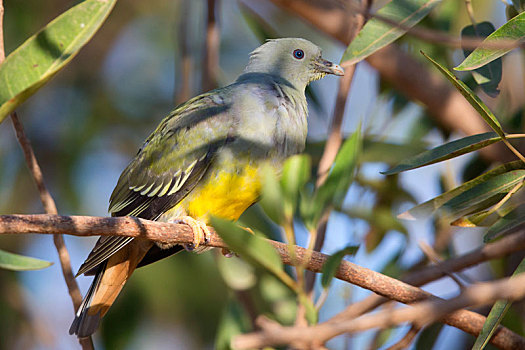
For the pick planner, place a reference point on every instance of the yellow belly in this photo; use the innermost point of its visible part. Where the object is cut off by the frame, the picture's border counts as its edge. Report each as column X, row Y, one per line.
column 221, row 193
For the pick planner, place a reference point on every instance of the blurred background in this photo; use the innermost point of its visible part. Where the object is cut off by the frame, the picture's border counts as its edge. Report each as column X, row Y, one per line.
column 87, row 124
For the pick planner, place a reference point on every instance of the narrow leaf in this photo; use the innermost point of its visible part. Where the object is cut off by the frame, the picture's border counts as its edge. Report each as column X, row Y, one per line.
column 513, row 30
column 446, row 151
column 474, row 100
column 253, row 249
column 17, row 262
column 427, row 208
column 333, row 262
column 44, row 54
column 272, row 197
column 508, row 222
column 488, row 76
column 377, row 34
column 495, row 316
column 296, row 172
column 484, row 191
column 310, row 311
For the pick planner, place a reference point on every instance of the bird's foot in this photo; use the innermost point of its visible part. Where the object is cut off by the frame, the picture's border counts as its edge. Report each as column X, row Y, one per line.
column 201, row 233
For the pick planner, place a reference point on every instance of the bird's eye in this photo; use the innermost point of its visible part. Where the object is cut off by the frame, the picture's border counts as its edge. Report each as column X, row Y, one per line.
column 298, row 53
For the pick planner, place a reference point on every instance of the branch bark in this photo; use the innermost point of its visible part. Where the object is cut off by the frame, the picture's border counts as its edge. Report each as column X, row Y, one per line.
column 391, row 288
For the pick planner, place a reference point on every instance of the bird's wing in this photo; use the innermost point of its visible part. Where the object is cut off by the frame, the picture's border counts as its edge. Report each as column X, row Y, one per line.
column 168, row 166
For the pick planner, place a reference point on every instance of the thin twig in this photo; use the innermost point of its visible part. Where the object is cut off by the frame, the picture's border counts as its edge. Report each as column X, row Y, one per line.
column 419, row 315
column 167, row 233
column 211, row 52
column 46, row 199
column 434, row 258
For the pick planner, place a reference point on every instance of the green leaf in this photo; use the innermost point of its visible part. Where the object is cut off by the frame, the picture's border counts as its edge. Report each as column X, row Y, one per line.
column 484, row 191
column 334, row 189
column 495, row 316
column 333, row 262
column 488, row 76
column 513, row 30
column 377, row 34
column 427, row 208
column 44, row 54
column 272, row 197
column 17, row 262
column 446, row 151
column 296, row 173
column 378, row 217
column 255, row 250
column 508, row 222
column 474, row 100
column 387, row 152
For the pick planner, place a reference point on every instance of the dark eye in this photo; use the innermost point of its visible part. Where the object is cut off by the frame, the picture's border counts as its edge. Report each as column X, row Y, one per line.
column 299, row 54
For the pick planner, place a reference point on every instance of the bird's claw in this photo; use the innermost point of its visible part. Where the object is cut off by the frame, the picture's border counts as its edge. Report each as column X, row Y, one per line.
column 201, row 233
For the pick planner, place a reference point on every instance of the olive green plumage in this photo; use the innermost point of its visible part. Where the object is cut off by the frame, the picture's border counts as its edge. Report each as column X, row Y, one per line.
column 204, row 158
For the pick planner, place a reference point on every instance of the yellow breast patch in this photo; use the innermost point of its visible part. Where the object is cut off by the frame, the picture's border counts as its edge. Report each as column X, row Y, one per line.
column 223, row 194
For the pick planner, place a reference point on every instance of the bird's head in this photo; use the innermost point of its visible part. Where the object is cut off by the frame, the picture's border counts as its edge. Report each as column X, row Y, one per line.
column 294, row 59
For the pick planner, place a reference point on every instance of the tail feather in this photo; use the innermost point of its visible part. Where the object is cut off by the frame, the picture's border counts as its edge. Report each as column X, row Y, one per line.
column 85, row 324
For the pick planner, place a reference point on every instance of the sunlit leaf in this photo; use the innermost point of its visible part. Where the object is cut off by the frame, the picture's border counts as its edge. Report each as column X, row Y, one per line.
column 513, row 30
column 495, row 316
column 488, row 76
column 253, row 249
column 508, row 222
column 377, row 34
column 236, row 273
column 18, row 262
column 427, row 208
column 44, row 54
column 471, row 97
column 484, row 191
column 333, row 262
column 446, row 151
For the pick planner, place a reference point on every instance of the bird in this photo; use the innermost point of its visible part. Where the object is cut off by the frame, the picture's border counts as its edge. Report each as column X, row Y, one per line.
column 205, row 159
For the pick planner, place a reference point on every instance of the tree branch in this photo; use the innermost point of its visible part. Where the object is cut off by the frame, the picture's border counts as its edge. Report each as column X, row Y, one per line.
column 419, row 315
column 391, row 288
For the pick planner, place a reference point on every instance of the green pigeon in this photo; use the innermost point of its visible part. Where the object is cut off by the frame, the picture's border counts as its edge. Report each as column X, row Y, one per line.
column 205, row 158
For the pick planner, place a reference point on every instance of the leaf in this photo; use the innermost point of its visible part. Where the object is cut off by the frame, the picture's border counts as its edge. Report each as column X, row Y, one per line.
column 379, row 217
column 253, row 249
column 272, row 197
column 377, row 34
column 296, row 173
column 484, row 191
column 334, row 189
column 513, row 30
column 508, row 222
column 488, row 76
column 425, row 209
column 495, row 316
column 446, row 151
column 333, row 262
column 44, row 54
column 474, row 100
column 17, row 262
column 387, row 152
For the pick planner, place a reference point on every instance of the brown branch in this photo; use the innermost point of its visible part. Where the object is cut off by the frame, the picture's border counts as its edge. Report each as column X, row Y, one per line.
column 419, row 315
column 211, row 52
column 410, row 77
column 467, row 321
column 405, row 342
column 505, row 246
column 46, row 199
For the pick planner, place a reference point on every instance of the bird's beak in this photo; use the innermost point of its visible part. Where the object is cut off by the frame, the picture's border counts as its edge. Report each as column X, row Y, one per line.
column 328, row 67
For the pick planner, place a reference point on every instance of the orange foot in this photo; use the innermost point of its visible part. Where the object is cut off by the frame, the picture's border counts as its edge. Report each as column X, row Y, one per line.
column 201, row 233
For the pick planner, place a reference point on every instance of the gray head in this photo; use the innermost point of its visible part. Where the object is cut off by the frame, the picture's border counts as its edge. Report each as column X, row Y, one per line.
column 297, row 60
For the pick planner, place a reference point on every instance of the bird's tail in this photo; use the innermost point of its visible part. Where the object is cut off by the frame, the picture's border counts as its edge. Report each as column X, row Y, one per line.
column 110, row 277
